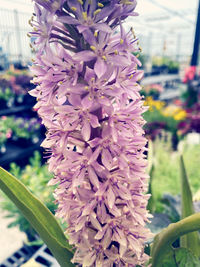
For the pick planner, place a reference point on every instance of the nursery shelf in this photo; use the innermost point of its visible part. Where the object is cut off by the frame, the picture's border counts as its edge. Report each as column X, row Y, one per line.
column 14, row 110
column 17, row 154
column 160, row 79
column 19, row 257
column 170, row 94
column 31, row 257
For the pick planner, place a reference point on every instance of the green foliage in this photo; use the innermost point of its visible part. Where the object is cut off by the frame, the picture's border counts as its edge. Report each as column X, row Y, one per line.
column 150, row 170
column 35, row 177
column 12, row 127
column 5, row 129
column 191, row 240
column 180, row 257
column 185, row 258
column 166, row 61
column 155, row 115
column 162, row 251
column 39, row 216
column 6, row 94
column 166, row 174
column 25, row 128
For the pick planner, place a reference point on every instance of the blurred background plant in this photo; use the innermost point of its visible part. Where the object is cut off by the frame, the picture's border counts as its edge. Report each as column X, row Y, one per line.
column 152, row 90
column 19, row 130
column 27, row 128
column 164, row 65
column 166, row 175
column 35, row 176
column 161, row 116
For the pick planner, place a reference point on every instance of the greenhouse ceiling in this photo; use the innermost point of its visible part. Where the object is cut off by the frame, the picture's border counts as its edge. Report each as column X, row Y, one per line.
column 169, row 16
column 160, row 24
column 166, row 16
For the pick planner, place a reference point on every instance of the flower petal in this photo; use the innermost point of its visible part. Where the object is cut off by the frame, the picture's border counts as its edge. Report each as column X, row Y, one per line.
column 110, row 197
column 106, row 158
column 89, row 259
column 100, row 67
column 93, row 177
column 86, row 130
column 68, row 20
column 87, row 102
column 95, row 222
column 84, row 56
column 94, row 120
column 102, row 27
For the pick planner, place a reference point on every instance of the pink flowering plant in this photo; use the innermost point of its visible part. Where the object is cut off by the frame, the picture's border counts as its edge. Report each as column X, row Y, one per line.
column 88, row 98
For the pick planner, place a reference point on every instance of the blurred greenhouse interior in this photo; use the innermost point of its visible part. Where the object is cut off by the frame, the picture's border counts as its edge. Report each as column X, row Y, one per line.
column 168, row 33
column 164, row 29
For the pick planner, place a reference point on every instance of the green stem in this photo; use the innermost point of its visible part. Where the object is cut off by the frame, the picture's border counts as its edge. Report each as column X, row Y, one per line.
column 191, row 240
column 165, row 238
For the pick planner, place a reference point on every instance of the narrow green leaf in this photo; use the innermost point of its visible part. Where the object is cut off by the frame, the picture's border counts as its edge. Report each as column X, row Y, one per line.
column 150, row 155
column 163, row 241
column 191, row 240
column 150, row 170
column 39, row 217
column 151, row 202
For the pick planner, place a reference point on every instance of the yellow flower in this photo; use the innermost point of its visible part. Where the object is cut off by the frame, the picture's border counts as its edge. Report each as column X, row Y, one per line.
column 176, row 112
column 153, row 104
column 181, row 115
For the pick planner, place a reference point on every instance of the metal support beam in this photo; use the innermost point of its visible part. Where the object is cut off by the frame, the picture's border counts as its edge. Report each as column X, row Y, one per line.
column 18, row 35
column 194, row 59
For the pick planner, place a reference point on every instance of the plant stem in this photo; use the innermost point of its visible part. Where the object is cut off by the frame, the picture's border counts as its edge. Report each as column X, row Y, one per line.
column 165, row 238
column 190, row 241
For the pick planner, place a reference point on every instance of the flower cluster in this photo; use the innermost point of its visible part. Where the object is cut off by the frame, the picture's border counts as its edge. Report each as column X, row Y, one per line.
column 88, row 99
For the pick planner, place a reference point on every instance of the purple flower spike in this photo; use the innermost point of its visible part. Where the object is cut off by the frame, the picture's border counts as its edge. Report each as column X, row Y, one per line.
column 88, row 99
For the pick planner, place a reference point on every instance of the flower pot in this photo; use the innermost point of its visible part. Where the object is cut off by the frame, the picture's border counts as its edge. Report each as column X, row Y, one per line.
column 20, row 256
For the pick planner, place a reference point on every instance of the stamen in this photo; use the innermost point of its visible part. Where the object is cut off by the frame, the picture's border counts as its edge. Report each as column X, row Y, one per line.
column 80, row 1
column 84, row 15
column 93, row 47
column 97, row 12
column 73, row 8
column 100, row 5
column 121, row 41
column 30, row 22
column 104, row 57
column 126, row 2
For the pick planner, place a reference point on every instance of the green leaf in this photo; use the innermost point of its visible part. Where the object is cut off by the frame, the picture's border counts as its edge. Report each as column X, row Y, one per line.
column 39, row 217
column 191, row 240
column 179, row 257
column 169, row 260
column 185, row 258
column 150, row 170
